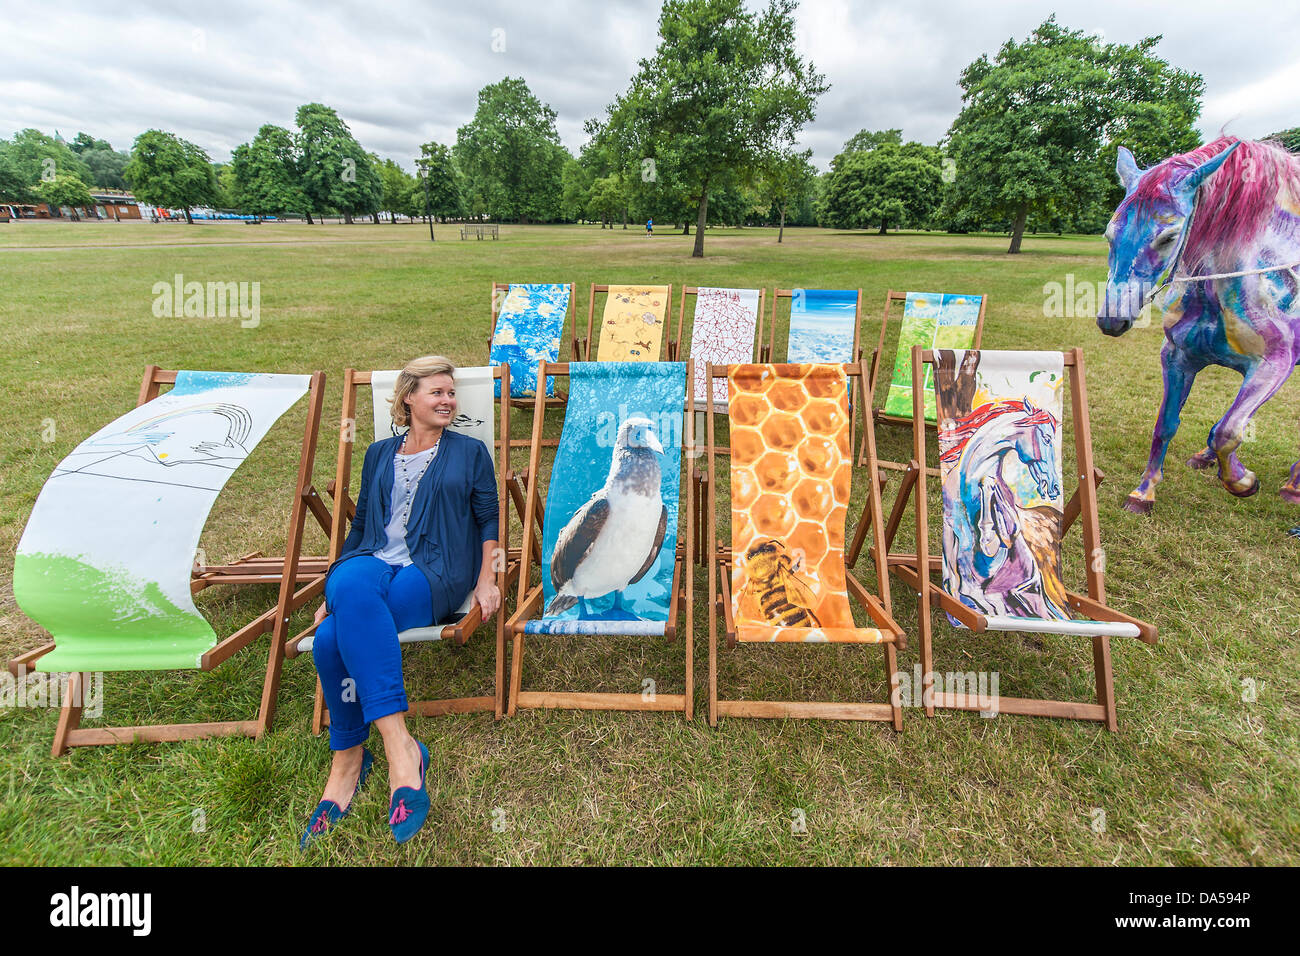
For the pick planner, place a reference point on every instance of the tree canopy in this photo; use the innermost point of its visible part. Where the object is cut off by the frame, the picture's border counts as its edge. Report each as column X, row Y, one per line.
column 336, row 173
column 889, row 184
column 166, row 170
column 266, row 174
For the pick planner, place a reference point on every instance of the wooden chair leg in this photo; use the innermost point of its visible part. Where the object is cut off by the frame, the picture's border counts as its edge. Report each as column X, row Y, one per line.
column 318, row 710
column 516, row 673
column 1105, row 680
column 70, row 715
column 891, row 665
column 499, row 680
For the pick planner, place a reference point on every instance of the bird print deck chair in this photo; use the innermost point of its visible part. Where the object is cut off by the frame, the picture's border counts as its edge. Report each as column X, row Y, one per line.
column 1004, row 515
column 612, row 563
column 481, row 417
column 634, row 323
column 107, row 561
column 528, row 322
column 783, row 578
column 932, row 320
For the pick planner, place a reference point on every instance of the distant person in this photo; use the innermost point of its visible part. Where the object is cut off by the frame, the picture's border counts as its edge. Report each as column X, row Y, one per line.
column 649, row 227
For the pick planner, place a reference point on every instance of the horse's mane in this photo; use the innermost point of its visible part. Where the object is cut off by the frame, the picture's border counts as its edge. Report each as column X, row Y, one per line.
column 956, row 438
column 1234, row 205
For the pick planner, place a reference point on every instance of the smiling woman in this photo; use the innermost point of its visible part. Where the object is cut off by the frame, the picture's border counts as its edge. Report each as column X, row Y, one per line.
column 423, row 537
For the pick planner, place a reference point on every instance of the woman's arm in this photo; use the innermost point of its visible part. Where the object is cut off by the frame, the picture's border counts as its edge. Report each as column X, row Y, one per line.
column 486, row 592
column 358, row 530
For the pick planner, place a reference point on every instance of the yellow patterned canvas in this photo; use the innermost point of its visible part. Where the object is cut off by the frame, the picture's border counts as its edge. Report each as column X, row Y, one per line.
column 632, row 327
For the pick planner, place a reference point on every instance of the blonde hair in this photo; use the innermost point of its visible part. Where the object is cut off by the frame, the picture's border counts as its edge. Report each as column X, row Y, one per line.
column 408, row 380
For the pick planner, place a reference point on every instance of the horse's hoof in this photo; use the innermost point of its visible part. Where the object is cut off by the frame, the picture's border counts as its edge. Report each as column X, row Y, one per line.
column 1250, row 489
column 1290, row 494
column 1201, row 460
column 1139, row 506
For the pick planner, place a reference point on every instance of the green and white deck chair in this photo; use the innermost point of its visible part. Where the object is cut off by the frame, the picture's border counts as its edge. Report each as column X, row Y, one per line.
column 480, row 416
column 107, row 561
column 611, row 562
column 932, row 320
column 1004, row 517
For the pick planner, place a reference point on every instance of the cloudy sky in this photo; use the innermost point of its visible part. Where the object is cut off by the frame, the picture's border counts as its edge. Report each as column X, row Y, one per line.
column 402, row 72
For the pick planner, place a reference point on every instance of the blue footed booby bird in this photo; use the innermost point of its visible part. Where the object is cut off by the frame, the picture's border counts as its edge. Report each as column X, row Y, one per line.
column 613, row 539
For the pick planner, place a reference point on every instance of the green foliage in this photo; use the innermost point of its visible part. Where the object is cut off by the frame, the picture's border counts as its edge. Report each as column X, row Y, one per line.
column 888, row 185
column 106, row 166
column 786, row 180
column 438, row 191
column 1290, row 138
column 866, row 140
column 14, row 186
column 64, row 190
column 166, row 170
column 398, row 189
column 1042, row 121
column 38, row 157
column 84, row 143
column 723, row 91
column 511, row 155
column 266, row 174
column 335, row 172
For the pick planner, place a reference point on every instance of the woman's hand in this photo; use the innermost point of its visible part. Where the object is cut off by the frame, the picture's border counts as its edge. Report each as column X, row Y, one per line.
column 321, row 613
column 488, row 596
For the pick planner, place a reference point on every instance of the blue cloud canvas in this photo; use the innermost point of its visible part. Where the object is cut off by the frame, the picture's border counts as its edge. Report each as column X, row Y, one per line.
column 528, row 330
column 822, row 325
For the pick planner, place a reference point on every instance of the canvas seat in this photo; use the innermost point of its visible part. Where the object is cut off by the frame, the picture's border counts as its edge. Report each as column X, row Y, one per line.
column 106, row 562
column 611, row 562
column 633, row 327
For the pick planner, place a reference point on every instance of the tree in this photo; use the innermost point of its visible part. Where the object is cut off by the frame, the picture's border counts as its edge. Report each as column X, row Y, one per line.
column 441, row 189
column 38, row 157
column 397, row 184
column 64, row 190
column 787, row 178
column 166, row 170
column 888, row 184
column 336, row 173
column 13, row 184
column 106, row 166
column 83, row 143
column 867, row 140
column 511, row 155
column 1289, row 138
column 266, row 174
column 724, row 88
column 575, row 187
column 1039, row 118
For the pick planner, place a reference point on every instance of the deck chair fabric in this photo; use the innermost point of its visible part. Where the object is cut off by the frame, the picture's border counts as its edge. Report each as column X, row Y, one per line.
column 1000, row 441
column 823, row 326
column 105, row 561
column 722, row 333
column 631, row 328
column 932, row 320
column 528, row 329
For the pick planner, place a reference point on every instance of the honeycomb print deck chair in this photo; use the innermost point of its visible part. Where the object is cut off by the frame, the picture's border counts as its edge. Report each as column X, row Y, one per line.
column 634, row 323
column 932, row 320
column 107, row 561
column 481, row 417
column 1004, row 515
column 611, row 562
column 783, row 577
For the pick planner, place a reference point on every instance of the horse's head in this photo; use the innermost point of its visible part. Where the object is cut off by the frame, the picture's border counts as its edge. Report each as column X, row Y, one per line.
column 1035, row 438
column 1147, row 233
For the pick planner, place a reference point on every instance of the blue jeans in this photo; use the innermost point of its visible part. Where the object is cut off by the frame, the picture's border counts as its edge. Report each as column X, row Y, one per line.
column 356, row 651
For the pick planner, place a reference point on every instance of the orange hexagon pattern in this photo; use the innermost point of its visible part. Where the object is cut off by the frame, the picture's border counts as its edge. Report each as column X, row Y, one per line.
column 791, row 472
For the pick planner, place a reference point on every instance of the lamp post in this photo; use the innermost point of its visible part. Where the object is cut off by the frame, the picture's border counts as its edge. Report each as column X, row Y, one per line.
column 424, row 173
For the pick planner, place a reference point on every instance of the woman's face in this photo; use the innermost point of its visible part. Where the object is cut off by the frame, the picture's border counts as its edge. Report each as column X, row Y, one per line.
column 433, row 401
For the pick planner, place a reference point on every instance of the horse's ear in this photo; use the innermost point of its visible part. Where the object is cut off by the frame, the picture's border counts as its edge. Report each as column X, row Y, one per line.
column 1126, row 168
column 1207, row 169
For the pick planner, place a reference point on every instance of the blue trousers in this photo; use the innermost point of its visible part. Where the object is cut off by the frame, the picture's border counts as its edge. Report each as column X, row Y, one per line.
column 356, row 651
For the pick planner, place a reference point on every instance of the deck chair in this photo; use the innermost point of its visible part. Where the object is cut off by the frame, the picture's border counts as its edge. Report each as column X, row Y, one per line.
column 782, row 578
column 527, row 325
column 932, row 320
column 634, row 323
column 106, row 562
column 1000, row 445
column 481, row 417
column 613, row 564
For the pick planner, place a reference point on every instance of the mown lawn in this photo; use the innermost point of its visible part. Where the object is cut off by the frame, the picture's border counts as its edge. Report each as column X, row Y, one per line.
column 1197, row 774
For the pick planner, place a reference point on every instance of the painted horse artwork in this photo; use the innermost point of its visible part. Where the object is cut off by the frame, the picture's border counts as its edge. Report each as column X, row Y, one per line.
column 1217, row 232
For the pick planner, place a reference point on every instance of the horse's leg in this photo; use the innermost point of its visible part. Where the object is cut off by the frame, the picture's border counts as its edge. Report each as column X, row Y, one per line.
column 1291, row 491
column 1178, row 373
column 1257, row 387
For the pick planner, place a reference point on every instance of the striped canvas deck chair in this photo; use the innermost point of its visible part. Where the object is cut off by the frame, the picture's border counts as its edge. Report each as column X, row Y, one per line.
column 932, row 320
column 107, row 561
column 634, row 323
column 481, row 417
column 528, row 322
column 783, row 578
column 1004, row 516
column 611, row 563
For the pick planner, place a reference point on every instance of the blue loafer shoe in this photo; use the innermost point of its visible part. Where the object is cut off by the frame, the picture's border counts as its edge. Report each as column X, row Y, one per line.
column 409, row 808
column 327, row 812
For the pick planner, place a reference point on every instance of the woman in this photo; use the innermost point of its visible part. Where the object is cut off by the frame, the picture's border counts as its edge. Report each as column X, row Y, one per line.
column 424, row 535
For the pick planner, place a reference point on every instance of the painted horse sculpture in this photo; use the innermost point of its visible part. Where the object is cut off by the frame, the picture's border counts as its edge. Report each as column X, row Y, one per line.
column 1219, row 229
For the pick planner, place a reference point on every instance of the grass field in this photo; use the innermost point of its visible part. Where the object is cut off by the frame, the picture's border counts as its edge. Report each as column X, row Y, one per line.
column 1197, row 774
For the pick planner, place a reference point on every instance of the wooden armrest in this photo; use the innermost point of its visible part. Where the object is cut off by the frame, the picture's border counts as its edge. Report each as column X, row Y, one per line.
column 1101, row 612
column 529, row 606
column 875, row 610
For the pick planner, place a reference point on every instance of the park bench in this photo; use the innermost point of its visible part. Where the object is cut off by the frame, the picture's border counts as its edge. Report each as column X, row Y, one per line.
column 479, row 230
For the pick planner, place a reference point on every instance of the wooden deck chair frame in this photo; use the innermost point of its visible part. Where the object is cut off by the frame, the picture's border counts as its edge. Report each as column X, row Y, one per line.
column 456, row 633
column 892, row 298
column 530, row 599
column 287, row 571
column 499, row 289
column 878, row 608
column 1082, row 506
column 582, row 347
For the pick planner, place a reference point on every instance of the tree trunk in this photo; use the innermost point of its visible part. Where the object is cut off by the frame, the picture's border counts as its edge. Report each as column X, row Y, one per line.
column 1018, row 230
column 309, row 221
column 882, row 231
column 188, row 218
column 698, row 251
column 625, row 217
column 686, row 228
column 780, row 234
column 347, row 216
column 375, row 215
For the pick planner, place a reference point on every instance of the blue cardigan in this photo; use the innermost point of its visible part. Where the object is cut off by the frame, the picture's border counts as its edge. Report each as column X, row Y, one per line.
column 453, row 513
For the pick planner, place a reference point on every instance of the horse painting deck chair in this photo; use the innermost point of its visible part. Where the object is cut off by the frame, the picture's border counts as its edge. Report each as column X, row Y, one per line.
column 106, row 564
column 1004, row 515
column 932, row 320
column 527, row 326
column 783, row 577
column 480, row 417
column 634, row 323
column 612, row 564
